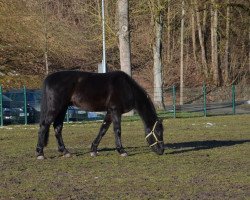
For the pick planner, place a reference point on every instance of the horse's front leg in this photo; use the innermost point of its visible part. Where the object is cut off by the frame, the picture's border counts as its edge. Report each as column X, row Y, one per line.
column 104, row 127
column 116, row 117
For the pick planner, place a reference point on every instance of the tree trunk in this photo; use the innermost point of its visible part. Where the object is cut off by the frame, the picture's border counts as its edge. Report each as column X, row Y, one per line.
column 249, row 50
column 214, row 44
column 182, row 55
column 201, row 40
column 124, row 39
column 212, row 39
column 46, row 38
column 227, row 66
column 168, row 36
column 204, row 20
column 124, row 36
column 98, row 8
column 157, row 49
column 194, row 38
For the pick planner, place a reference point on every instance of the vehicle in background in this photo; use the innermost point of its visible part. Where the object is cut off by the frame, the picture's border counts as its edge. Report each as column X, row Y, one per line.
column 96, row 115
column 9, row 115
column 33, row 98
column 32, row 115
column 75, row 114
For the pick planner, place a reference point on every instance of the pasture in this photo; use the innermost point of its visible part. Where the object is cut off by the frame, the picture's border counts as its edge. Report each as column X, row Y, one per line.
column 205, row 158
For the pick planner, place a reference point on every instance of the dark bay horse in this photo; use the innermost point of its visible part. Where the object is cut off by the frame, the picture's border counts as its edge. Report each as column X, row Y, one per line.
column 113, row 92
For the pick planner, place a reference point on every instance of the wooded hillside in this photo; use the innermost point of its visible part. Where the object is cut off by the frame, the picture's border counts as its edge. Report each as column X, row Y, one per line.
column 216, row 38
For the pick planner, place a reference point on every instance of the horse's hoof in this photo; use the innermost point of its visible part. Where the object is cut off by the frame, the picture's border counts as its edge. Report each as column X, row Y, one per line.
column 124, row 154
column 67, row 155
column 93, row 154
column 40, row 158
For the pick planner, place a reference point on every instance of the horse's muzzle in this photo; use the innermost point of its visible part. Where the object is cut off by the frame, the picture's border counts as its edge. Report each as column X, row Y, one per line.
column 158, row 148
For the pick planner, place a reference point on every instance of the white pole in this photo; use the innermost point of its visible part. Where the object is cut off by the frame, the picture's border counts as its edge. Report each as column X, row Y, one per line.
column 103, row 40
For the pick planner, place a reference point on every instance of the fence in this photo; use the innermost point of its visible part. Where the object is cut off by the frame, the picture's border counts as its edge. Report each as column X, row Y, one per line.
column 208, row 101
column 22, row 106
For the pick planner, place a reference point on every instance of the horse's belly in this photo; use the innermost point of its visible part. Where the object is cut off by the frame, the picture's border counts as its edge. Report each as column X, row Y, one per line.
column 89, row 104
column 90, row 107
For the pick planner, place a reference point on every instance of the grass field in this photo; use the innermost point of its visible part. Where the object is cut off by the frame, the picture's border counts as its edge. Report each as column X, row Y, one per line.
column 205, row 158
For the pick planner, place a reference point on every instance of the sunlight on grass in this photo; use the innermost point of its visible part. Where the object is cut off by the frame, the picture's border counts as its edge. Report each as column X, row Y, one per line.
column 205, row 158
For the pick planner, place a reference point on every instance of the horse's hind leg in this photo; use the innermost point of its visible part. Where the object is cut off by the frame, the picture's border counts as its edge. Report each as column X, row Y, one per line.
column 43, row 135
column 104, row 127
column 58, row 126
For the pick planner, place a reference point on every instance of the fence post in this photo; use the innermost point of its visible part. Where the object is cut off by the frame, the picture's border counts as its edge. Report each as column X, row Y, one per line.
column 233, row 98
column 1, row 106
column 25, row 105
column 204, row 89
column 174, row 100
column 68, row 115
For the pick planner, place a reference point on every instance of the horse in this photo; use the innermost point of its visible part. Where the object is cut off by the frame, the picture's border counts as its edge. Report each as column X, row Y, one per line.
column 113, row 92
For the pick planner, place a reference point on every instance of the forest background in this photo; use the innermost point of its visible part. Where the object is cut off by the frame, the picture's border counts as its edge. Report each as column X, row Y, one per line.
column 209, row 38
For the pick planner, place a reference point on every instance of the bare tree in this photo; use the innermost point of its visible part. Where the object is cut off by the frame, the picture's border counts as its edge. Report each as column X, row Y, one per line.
column 168, row 34
column 227, row 53
column 214, row 43
column 157, row 8
column 124, row 36
column 201, row 40
column 248, row 68
column 194, row 36
column 46, row 37
column 182, row 54
column 71, row 36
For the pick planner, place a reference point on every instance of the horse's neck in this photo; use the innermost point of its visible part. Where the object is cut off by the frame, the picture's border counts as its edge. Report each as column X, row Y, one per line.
column 147, row 112
column 144, row 105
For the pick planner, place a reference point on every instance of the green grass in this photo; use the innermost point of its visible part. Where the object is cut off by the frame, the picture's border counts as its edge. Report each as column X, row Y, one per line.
column 205, row 158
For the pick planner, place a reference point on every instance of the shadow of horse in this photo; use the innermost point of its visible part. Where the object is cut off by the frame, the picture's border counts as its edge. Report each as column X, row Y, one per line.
column 183, row 147
column 132, row 150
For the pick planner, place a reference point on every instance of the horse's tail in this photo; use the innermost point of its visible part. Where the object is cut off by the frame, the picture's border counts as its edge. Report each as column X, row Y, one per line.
column 43, row 114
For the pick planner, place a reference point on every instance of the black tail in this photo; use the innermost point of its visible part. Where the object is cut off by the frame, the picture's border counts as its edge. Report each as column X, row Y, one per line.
column 43, row 114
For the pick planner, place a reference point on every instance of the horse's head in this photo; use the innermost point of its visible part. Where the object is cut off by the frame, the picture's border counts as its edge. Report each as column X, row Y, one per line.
column 155, row 138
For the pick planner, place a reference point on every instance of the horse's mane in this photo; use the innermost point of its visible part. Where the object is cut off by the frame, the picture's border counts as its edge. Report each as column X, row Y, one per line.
column 143, row 102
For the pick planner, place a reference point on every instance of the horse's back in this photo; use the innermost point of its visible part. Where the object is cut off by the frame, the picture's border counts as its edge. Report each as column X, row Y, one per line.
column 60, row 77
column 78, row 76
column 100, row 92
column 91, row 91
